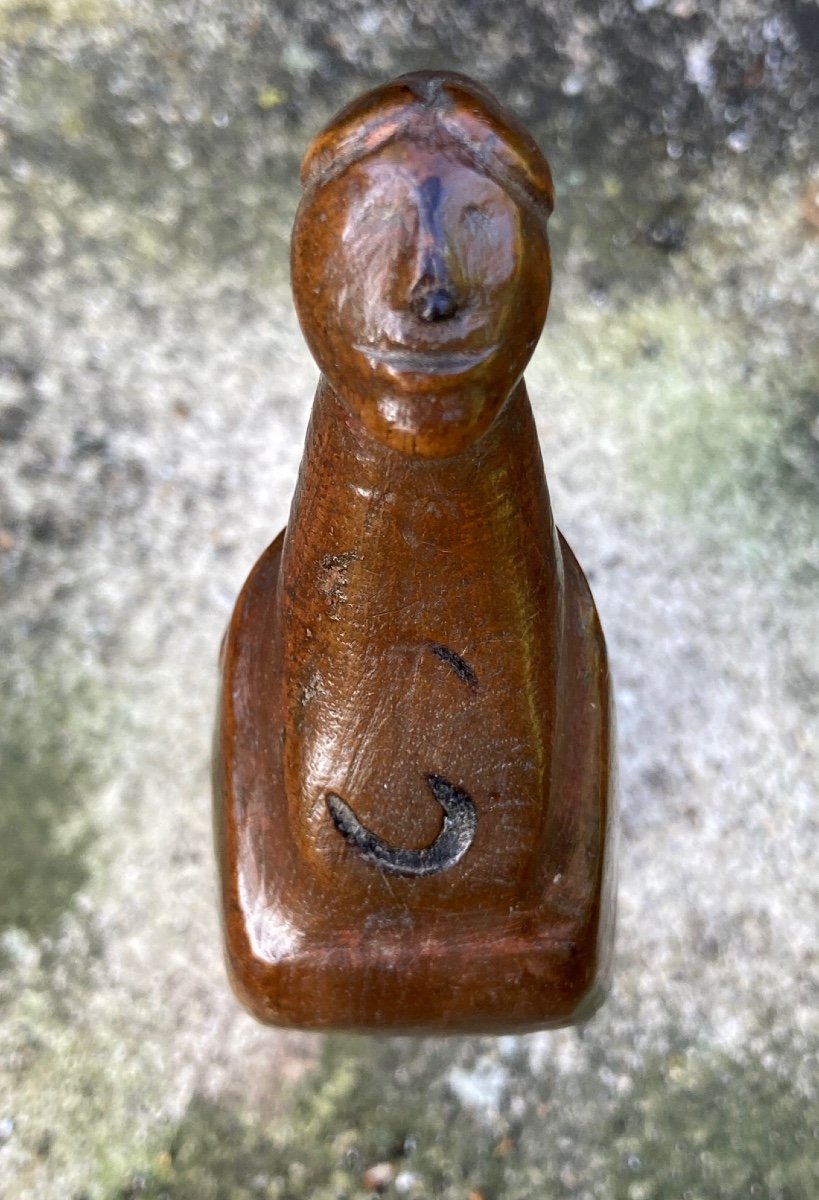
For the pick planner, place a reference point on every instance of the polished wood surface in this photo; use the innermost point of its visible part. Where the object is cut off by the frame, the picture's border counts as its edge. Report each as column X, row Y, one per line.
column 414, row 757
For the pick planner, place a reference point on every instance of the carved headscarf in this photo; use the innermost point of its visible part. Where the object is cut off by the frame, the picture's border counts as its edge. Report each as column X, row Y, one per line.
column 436, row 105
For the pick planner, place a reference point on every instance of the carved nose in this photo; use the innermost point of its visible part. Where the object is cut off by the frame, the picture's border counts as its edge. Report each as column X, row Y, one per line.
column 433, row 297
column 433, row 303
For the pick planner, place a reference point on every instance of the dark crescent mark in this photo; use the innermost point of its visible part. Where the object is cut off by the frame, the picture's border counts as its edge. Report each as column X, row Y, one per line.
column 451, row 844
column 462, row 669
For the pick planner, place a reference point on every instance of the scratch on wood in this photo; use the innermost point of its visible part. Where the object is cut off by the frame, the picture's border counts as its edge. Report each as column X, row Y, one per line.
column 461, row 668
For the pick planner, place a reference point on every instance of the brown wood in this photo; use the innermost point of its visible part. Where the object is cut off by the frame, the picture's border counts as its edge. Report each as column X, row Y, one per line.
column 414, row 759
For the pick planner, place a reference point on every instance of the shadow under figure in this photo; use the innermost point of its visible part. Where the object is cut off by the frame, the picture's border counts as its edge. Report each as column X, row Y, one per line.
column 414, row 758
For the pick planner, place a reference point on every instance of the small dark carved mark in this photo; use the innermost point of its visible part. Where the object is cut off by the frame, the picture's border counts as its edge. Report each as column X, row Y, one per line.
column 462, row 669
column 449, row 847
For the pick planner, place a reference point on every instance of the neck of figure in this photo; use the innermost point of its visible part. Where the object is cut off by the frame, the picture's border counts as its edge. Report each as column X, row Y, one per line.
column 356, row 497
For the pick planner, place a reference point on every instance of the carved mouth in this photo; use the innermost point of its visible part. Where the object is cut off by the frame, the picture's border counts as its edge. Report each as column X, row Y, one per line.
column 426, row 362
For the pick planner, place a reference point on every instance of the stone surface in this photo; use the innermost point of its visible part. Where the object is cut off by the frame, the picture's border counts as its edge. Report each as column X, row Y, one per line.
column 153, row 395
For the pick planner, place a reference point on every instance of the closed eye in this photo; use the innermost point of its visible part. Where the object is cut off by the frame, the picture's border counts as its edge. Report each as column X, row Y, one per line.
column 473, row 215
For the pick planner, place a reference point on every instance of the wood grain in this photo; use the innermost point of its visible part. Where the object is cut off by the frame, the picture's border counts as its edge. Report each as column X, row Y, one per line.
column 414, row 753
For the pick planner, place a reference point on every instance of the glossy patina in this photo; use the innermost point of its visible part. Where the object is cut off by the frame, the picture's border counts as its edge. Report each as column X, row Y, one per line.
column 414, row 757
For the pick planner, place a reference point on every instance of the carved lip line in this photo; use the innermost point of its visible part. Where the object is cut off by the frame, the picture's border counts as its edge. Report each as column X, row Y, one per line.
column 427, row 362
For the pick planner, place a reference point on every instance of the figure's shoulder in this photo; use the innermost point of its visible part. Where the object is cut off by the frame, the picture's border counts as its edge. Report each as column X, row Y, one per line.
column 582, row 622
column 253, row 611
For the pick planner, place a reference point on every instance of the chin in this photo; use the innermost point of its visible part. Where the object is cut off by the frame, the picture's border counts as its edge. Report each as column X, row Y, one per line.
column 438, row 424
column 427, row 414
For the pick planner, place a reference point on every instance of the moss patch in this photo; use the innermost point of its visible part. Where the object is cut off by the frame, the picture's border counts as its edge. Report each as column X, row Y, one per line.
column 369, row 1101
column 717, row 1127
column 685, row 1124
column 47, row 773
column 20, row 22
column 698, row 415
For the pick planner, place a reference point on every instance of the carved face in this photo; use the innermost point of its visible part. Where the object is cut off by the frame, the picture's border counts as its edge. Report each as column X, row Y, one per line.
column 422, row 288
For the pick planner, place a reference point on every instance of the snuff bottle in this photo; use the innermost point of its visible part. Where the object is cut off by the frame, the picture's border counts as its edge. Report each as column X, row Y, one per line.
column 414, row 755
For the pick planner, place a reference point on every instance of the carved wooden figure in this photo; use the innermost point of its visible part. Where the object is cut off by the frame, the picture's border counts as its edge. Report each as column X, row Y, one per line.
column 414, row 755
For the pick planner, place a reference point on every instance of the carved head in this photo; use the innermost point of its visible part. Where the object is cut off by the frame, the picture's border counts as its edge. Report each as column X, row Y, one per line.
column 420, row 260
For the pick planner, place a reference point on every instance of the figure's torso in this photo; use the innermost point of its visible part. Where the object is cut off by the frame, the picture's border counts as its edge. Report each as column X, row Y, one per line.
column 421, row 633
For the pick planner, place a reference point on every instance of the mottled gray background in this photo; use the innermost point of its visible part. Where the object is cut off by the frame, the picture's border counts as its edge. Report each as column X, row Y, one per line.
column 154, row 391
